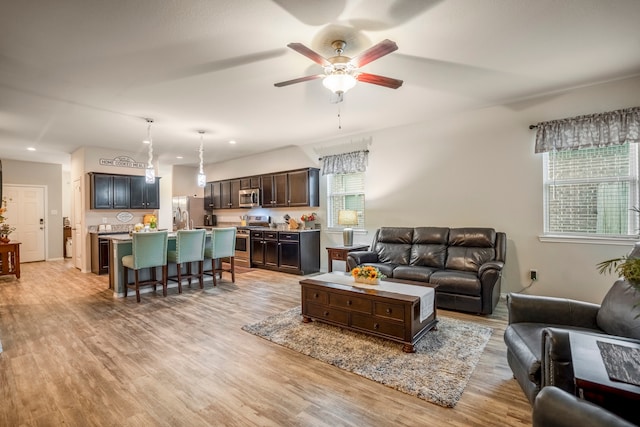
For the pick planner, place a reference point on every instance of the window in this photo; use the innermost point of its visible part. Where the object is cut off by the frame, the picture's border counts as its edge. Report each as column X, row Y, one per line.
column 591, row 191
column 345, row 191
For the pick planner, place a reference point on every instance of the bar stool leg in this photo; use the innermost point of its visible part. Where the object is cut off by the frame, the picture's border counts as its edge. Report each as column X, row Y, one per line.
column 165, row 274
column 135, row 273
column 232, row 261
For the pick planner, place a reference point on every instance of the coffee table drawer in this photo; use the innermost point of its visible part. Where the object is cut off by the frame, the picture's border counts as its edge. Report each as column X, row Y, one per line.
column 378, row 326
column 392, row 311
column 312, row 295
column 328, row 314
column 352, row 303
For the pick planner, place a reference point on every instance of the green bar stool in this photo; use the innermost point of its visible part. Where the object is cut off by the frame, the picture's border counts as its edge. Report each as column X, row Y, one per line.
column 149, row 250
column 222, row 245
column 189, row 248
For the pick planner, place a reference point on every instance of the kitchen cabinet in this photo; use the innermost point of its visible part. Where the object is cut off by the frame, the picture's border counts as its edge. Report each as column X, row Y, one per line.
column 109, row 191
column 212, row 198
column 143, row 195
column 274, row 190
column 264, row 249
column 99, row 254
column 101, row 191
column 286, row 251
column 296, row 188
column 249, row 182
column 303, row 187
column 222, row 194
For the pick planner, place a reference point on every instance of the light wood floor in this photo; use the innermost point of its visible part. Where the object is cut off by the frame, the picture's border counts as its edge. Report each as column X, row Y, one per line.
column 75, row 356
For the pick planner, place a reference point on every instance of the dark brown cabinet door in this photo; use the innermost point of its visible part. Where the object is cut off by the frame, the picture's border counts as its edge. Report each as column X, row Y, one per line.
column 120, row 192
column 143, row 195
column 234, row 198
column 289, row 255
column 101, row 191
column 208, row 196
column 249, row 182
column 267, row 195
column 280, row 190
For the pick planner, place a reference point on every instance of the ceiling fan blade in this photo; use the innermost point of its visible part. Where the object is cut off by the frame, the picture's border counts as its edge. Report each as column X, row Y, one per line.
column 379, row 80
column 314, row 56
column 374, row 52
column 298, row 80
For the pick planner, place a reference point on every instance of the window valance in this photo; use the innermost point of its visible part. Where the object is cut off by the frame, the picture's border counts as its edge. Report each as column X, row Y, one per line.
column 355, row 161
column 594, row 130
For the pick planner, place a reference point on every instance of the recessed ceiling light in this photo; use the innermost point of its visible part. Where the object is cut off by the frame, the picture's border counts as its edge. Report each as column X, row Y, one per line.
column 145, row 142
column 179, row 157
column 232, row 142
column 31, row 149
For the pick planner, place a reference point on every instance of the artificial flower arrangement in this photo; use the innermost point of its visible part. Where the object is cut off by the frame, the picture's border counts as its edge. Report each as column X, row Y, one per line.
column 308, row 217
column 367, row 274
column 5, row 229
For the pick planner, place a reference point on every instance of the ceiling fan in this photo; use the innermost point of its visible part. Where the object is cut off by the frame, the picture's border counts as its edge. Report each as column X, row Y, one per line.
column 341, row 72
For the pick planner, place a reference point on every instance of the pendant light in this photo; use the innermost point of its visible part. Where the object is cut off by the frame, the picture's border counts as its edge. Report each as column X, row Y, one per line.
column 150, row 173
column 202, row 178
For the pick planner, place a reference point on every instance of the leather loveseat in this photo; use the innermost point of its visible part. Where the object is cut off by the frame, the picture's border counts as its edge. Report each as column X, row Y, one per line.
column 465, row 263
column 537, row 337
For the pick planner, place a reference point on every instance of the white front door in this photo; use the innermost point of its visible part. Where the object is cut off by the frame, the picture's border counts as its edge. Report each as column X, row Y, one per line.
column 77, row 223
column 25, row 212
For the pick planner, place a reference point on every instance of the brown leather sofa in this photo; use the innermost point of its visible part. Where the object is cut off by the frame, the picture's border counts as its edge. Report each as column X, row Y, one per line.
column 465, row 263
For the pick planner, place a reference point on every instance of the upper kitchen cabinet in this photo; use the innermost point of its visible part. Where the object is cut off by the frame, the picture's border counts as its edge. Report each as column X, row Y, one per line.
column 143, row 195
column 274, row 190
column 230, row 194
column 304, row 187
column 212, row 199
column 293, row 188
column 109, row 191
column 249, row 182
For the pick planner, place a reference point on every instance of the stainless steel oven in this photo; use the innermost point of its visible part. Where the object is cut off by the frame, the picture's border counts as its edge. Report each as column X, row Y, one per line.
column 243, row 248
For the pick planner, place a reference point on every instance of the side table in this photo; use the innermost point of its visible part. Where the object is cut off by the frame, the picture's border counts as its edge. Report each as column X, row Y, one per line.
column 339, row 253
column 10, row 258
column 592, row 381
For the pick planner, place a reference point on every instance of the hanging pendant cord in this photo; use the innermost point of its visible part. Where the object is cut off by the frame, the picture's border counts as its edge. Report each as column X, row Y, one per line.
column 150, row 162
column 201, row 151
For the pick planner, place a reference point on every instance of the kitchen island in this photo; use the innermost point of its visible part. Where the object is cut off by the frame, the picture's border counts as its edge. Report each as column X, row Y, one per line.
column 119, row 246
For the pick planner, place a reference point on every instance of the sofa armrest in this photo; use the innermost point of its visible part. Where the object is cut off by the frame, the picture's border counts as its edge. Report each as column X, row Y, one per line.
column 491, row 265
column 556, row 408
column 356, row 258
column 551, row 311
column 557, row 367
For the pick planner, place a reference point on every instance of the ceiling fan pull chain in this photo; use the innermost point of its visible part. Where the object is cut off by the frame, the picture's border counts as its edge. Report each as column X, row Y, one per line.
column 339, row 119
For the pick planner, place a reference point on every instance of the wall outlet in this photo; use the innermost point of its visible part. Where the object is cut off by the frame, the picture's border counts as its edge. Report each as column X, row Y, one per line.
column 533, row 274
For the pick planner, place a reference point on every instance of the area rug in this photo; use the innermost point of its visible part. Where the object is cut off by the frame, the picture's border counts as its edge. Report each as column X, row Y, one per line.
column 437, row 372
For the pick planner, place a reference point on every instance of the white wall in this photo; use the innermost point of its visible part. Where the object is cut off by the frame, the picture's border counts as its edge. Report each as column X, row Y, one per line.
column 473, row 169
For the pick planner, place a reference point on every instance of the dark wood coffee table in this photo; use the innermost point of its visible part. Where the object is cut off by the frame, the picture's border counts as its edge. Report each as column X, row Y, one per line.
column 330, row 299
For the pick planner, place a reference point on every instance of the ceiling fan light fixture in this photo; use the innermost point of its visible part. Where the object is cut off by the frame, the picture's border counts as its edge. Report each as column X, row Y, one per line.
column 339, row 82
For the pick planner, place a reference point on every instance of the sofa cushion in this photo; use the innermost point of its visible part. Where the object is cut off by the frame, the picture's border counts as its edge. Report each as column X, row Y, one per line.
column 472, row 237
column 617, row 315
column 429, row 246
column 394, row 245
column 411, row 272
column 457, row 282
column 468, row 258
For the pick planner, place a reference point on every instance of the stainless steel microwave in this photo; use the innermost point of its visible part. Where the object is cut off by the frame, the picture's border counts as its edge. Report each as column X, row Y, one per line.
column 250, row 198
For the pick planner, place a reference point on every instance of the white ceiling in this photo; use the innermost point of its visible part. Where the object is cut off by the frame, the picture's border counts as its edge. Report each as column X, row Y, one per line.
column 87, row 72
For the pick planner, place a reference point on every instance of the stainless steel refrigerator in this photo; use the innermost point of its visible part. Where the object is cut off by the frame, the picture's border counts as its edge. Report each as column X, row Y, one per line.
column 188, row 212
